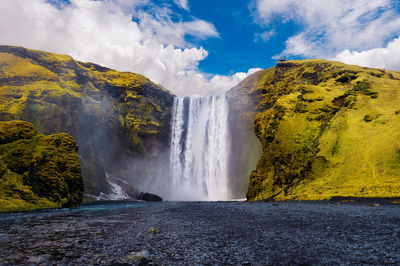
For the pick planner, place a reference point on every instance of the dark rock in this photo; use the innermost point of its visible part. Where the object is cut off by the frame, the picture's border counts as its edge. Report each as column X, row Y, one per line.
column 149, row 197
column 128, row 189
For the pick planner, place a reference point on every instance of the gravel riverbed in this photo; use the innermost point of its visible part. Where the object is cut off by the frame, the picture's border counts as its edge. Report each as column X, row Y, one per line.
column 209, row 233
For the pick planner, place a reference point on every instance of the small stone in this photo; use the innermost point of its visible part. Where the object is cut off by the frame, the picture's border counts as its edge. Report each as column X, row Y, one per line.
column 142, row 255
column 37, row 259
column 154, row 230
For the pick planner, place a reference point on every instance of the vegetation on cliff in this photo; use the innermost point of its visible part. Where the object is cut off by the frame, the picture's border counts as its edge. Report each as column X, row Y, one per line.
column 327, row 129
column 110, row 114
column 37, row 171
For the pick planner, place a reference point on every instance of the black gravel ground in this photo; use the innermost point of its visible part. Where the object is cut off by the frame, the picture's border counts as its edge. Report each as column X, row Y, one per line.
column 188, row 233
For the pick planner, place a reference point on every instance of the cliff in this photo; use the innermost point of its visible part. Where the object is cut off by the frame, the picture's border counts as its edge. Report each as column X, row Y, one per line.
column 117, row 118
column 37, row 171
column 327, row 130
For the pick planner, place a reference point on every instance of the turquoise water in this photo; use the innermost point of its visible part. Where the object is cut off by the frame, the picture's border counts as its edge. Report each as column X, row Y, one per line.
column 82, row 209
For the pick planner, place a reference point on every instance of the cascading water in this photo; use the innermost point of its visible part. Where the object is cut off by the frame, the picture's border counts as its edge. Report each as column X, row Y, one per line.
column 199, row 154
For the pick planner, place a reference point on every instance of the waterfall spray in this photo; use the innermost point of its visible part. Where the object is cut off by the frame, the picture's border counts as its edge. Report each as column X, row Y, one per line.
column 199, row 154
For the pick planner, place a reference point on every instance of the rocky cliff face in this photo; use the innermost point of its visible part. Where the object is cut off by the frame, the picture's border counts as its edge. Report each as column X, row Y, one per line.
column 37, row 171
column 117, row 118
column 245, row 147
column 327, row 129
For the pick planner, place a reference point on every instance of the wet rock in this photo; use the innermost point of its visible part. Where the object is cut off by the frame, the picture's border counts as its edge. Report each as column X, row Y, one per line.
column 149, row 197
column 128, row 189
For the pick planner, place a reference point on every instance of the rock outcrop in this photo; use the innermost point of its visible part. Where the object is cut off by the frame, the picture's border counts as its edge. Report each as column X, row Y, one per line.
column 37, row 171
column 327, row 130
column 118, row 119
column 149, row 197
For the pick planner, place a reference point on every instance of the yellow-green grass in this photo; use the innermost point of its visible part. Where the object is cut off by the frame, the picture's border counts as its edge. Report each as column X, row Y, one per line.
column 59, row 94
column 316, row 138
column 39, row 87
column 37, row 171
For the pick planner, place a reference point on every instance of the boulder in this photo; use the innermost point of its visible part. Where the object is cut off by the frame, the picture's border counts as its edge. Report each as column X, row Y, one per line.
column 149, row 197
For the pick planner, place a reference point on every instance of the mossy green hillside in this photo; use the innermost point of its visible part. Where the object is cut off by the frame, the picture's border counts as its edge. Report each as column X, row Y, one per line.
column 35, row 83
column 37, row 171
column 327, row 129
column 103, row 109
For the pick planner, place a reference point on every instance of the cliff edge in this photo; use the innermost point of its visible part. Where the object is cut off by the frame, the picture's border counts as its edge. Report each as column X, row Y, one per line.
column 118, row 119
column 327, row 130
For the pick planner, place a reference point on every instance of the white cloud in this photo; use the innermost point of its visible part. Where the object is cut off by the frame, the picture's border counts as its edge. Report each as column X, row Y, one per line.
column 210, row 85
column 219, row 81
column 182, row 4
column 328, row 27
column 387, row 57
column 200, row 28
column 103, row 32
column 264, row 36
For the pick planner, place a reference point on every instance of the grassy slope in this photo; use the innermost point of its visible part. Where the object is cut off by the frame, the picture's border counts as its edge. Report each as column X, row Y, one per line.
column 327, row 129
column 99, row 107
column 37, row 171
column 31, row 79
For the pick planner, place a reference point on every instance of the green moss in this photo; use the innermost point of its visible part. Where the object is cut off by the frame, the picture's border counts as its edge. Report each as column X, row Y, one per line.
column 12, row 131
column 300, row 107
column 368, row 118
column 59, row 94
column 320, row 146
column 363, row 87
column 350, row 101
column 347, row 77
column 38, row 171
column 376, row 74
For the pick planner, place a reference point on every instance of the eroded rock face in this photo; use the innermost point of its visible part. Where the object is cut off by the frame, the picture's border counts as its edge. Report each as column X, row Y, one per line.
column 37, row 171
column 327, row 129
column 245, row 147
column 118, row 119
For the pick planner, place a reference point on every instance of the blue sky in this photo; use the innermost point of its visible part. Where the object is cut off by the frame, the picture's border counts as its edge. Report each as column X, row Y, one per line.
column 200, row 47
column 238, row 47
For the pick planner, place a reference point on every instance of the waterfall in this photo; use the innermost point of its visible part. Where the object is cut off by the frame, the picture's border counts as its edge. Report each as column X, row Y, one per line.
column 199, row 148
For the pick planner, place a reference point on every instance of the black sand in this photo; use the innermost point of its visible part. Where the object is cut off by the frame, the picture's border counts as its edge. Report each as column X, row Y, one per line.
column 205, row 233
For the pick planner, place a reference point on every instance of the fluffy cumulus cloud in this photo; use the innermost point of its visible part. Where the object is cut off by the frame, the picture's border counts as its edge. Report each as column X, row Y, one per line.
column 347, row 30
column 120, row 34
column 386, row 57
